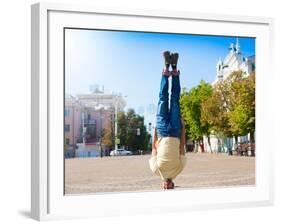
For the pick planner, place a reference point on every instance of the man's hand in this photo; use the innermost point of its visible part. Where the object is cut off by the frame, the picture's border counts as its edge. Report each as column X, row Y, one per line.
column 154, row 145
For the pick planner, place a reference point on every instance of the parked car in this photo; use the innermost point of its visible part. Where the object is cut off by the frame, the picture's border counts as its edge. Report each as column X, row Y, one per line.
column 120, row 152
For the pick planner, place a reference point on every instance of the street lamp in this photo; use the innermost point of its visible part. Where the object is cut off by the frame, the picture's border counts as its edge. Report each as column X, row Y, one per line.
column 101, row 132
column 115, row 123
column 84, row 129
column 150, row 131
column 149, row 126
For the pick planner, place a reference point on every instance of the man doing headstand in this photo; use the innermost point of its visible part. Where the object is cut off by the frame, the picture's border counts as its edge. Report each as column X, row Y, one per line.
column 168, row 153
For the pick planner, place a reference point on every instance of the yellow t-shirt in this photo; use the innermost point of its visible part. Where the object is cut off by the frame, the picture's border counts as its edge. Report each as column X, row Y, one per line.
column 168, row 163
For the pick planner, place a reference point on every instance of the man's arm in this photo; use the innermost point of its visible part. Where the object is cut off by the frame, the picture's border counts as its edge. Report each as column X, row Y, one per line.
column 154, row 146
column 182, row 141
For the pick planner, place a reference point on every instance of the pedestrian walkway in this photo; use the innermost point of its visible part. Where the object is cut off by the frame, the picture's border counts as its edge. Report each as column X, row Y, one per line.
column 132, row 173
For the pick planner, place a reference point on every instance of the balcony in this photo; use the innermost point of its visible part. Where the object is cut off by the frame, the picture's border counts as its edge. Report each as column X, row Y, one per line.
column 90, row 121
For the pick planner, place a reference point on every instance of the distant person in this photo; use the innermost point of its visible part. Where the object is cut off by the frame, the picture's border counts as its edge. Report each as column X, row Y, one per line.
column 168, row 153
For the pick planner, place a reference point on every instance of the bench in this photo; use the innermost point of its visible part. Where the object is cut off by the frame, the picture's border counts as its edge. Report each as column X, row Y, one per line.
column 244, row 149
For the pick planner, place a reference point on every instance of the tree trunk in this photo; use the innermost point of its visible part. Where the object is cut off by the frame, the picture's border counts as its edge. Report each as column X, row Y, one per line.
column 236, row 139
column 201, row 145
column 195, row 146
column 252, row 137
column 209, row 143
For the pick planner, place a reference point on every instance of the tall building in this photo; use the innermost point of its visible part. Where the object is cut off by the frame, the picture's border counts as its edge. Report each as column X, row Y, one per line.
column 86, row 116
column 99, row 109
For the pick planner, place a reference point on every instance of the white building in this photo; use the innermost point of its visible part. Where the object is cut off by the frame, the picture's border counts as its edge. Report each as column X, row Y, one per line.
column 234, row 61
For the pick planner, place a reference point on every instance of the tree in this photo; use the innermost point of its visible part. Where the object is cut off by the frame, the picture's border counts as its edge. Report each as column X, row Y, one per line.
column 242, row 98
column 230, row 110
column 190, row 103
column 108, row 132
column 215, row 110
column 131, row 131
column 122, row 127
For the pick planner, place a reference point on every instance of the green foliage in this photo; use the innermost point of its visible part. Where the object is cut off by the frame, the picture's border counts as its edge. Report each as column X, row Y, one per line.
column 242, row 113
column 227, row 108
column 108, row 132
column 190, row 103
column 128, row 123
column 239, row 120
column 215, row 110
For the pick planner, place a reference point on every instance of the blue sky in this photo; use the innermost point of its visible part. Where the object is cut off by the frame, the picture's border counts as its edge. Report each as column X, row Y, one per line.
column 131, row 63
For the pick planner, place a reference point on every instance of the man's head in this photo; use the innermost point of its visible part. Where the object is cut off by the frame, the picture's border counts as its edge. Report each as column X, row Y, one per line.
column 168, row 184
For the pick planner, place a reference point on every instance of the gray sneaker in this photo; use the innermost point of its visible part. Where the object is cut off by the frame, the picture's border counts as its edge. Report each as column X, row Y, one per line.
column 174, row 60
column 167, row 59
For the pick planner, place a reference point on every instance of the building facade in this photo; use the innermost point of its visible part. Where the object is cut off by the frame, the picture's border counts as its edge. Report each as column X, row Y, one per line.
column 87, row 118
column 234, row 61
column 72, row 120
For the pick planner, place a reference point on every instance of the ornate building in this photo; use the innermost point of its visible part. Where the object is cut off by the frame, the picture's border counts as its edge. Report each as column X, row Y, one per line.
column 234, row 61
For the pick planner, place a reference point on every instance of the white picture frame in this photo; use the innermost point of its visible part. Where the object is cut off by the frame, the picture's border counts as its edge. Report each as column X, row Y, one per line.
column 47, row 197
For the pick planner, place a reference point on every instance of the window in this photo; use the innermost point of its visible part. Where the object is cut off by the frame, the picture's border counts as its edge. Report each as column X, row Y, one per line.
column 253, row 67
column 66, row 128
column 66, row 112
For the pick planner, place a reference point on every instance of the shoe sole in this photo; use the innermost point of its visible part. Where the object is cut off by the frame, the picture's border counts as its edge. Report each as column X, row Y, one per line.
column 174, row 58
column 167, row 57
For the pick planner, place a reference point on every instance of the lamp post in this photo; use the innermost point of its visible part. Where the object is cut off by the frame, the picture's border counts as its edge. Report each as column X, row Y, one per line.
column 150, row 131
column 83, row 129
column 115, row 124
column 101, row 117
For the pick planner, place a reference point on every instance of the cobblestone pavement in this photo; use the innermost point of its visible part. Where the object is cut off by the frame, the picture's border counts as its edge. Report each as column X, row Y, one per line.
column 132, row 173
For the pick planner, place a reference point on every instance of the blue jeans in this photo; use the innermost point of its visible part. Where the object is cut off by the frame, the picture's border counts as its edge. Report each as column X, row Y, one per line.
column 168, row 122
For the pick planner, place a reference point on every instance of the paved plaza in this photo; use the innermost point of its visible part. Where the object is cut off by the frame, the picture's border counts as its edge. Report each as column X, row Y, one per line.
column 132, row 173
